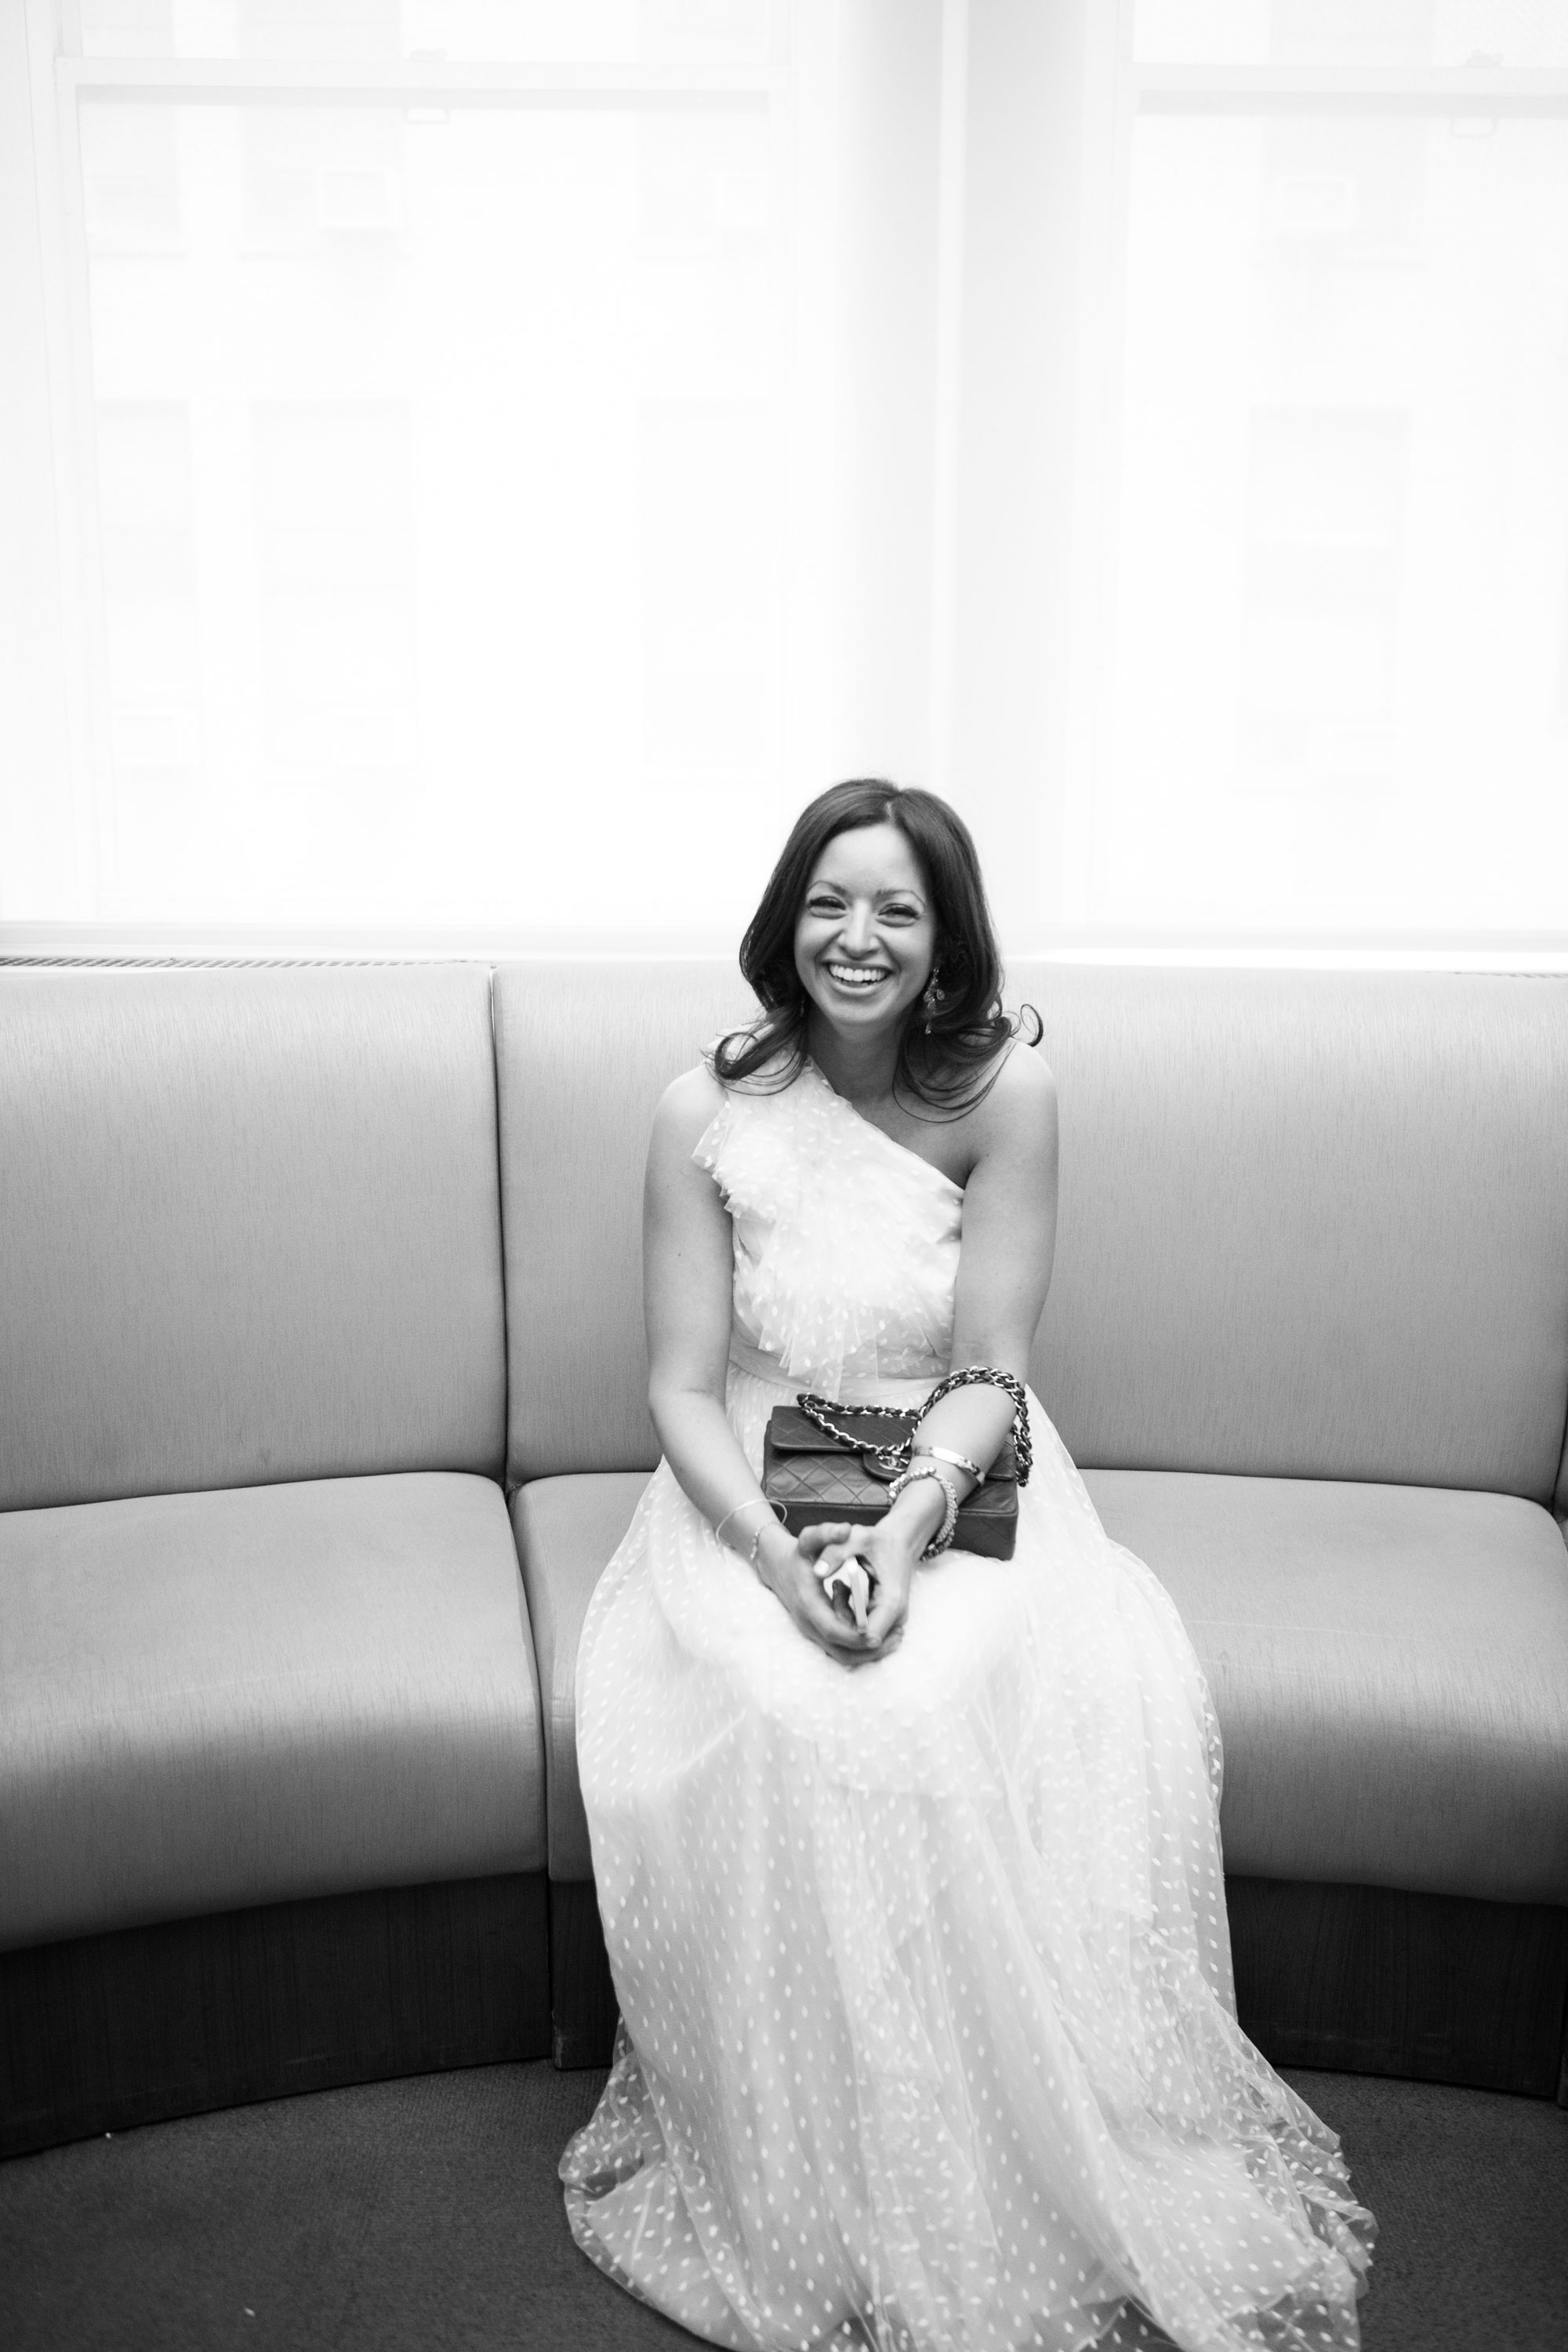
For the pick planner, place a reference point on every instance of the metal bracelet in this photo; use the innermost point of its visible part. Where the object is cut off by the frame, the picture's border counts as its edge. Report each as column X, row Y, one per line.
column 757, row 1503
column 959, row 1461
column 943, row 1535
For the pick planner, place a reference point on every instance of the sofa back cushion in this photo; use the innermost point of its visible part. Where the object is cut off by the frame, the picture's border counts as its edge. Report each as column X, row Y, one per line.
column 584, row 1051
column 1310, row 1224
column 249, row 1228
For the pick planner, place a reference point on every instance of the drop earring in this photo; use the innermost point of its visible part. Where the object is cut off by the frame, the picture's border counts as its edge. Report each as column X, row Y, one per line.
column 932, row 997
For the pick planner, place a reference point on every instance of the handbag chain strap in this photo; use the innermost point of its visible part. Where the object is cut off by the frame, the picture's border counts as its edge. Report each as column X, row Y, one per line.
column 887, row 1458
column 890, row 1458
column 988, row 1376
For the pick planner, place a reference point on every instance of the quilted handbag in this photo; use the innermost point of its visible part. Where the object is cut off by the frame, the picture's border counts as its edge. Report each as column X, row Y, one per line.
column 810, row 1474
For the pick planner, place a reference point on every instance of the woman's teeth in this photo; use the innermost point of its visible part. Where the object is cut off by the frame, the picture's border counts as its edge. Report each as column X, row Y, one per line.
column 856, row 975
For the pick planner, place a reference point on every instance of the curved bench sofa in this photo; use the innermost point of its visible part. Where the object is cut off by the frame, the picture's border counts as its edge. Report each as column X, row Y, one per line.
column 320, row 1321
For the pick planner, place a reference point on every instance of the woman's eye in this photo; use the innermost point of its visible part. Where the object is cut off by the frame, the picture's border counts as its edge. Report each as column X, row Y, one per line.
column 822, row 905
column 900, row 914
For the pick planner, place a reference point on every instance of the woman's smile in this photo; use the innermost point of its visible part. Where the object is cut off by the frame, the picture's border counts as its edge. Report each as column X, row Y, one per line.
column 866, row 937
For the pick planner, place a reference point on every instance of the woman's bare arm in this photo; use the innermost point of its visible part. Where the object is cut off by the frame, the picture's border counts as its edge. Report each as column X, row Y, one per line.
column 1005, row 1265
column 688, row 1277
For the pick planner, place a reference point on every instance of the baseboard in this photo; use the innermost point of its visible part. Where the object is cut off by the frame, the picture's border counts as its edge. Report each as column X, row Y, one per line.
column 1374, row 1981
column 584, row 2010
column 110, row 2032
column 1362, row 1979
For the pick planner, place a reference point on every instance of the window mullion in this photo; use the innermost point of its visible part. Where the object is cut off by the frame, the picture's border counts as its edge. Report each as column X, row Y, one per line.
column 1110, row 105
column 69, row 359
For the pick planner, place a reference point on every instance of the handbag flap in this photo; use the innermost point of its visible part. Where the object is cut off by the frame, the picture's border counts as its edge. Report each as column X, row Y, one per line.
column 791, row 1432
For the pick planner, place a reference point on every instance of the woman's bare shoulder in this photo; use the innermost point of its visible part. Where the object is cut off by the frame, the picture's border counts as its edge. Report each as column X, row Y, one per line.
column 1025, row 1075
column 686, row 1107
column 1018, row 1111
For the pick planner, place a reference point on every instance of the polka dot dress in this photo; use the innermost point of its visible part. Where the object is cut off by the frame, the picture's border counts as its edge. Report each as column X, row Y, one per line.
column 928, row 2041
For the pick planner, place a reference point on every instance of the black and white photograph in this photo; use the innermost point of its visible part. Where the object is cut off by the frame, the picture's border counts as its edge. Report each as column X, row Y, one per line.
column 784, row 1175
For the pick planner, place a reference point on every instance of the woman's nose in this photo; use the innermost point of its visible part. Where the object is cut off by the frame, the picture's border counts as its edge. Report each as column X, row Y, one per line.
column 859, row 927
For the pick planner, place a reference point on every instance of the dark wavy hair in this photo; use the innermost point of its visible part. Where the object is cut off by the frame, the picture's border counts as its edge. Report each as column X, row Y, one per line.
column 947, row 1067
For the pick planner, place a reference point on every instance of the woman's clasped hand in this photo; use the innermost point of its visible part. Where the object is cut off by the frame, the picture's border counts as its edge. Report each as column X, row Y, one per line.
column 818, row 1585
column 847, row 1587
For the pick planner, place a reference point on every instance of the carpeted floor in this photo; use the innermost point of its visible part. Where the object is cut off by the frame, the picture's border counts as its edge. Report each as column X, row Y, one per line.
column 422, row 2215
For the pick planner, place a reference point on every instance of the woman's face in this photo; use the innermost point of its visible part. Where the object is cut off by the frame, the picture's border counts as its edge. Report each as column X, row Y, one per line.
column 866, row 935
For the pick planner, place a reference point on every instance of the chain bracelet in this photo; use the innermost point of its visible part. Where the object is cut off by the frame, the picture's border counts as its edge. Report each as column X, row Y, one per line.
column 943, row 1535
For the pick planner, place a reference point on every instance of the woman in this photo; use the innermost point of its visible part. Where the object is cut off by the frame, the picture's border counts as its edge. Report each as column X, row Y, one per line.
column 917, row 1924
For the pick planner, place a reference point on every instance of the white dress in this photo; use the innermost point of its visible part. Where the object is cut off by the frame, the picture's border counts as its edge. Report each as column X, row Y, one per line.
column 928, row 2034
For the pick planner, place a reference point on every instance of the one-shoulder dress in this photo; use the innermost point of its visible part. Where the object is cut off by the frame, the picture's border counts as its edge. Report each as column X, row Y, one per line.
column 928, row 2034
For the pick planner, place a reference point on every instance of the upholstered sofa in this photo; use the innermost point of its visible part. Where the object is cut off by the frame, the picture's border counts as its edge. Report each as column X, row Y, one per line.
column 319, row 1319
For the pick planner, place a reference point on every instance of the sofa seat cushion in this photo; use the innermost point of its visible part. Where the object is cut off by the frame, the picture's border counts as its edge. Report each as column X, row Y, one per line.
column 1389, row 1665
column 1390, row 1669
column 567, row 1531
column 214, row 1700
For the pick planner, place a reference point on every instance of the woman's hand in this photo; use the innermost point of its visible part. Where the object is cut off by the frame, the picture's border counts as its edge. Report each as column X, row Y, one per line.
column 890, row 1550
column 792, row 1574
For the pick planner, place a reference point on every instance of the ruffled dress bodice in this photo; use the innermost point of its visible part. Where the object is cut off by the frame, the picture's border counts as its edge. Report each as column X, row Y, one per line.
column 846, row 1244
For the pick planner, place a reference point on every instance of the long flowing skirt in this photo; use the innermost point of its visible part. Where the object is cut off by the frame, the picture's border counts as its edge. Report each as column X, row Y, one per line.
column 927, row 2037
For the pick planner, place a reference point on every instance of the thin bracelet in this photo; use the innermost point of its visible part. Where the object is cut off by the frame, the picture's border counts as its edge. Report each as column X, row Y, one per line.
column 757, row 1503
column 943, row 1535
column 959, row 1461
column 755, row 1552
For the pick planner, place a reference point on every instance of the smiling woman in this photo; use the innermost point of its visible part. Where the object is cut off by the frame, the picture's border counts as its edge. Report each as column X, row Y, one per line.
column 877, row 897
column 865, row 945
column 914, row 1908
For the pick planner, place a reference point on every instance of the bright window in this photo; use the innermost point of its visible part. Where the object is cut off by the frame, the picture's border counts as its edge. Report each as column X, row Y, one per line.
column 1331, row 682
column 429, row 455
column 473, row 468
